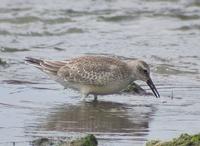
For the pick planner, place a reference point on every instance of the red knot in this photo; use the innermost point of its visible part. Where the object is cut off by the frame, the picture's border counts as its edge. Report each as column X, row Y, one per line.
column 96, row 75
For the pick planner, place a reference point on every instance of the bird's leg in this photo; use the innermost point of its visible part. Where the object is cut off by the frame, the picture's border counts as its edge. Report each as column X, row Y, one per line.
column 83, row 96
column 95, row 97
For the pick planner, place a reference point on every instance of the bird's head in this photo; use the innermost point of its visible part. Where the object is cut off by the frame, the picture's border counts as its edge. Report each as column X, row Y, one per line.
column 141, row 71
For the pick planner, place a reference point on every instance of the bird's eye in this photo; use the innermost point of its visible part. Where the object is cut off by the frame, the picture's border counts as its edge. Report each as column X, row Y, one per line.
column 145, row 71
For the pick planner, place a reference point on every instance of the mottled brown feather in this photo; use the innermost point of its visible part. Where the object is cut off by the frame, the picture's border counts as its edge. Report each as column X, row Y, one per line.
column 94, row 70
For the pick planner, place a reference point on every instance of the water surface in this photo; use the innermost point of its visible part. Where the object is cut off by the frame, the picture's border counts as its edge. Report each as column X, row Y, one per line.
column 164, row 33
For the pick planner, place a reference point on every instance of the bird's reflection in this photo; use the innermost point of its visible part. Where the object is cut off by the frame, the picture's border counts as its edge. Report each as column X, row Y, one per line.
column 101, row 116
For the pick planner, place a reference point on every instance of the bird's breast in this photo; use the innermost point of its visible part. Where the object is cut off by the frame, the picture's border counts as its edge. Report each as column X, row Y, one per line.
column 110, row 88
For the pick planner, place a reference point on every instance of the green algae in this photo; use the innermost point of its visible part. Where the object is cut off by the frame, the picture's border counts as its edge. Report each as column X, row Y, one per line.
column 182, row 140
column 134, row 88
column 10, row 50
column 3, row 63
column 89, row 140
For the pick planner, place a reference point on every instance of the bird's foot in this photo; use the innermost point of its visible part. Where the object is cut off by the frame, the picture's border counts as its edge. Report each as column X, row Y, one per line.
column 95, row 98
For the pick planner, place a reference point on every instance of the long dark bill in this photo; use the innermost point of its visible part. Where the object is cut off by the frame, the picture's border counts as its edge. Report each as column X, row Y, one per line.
column 153, row 88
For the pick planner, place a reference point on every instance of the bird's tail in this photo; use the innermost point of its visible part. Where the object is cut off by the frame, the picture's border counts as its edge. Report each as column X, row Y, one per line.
column 34, row 61
column 47, row 66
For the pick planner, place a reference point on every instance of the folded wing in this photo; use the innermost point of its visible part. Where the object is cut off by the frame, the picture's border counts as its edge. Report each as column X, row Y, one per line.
column 94, row 70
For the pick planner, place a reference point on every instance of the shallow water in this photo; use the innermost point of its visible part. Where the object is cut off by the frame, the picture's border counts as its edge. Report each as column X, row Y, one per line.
column 164, row 33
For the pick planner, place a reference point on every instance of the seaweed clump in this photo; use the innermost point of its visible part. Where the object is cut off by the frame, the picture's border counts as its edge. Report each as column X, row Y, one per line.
column 182, row 140
column 89, row 140
column 3, row 63
column 134, row 88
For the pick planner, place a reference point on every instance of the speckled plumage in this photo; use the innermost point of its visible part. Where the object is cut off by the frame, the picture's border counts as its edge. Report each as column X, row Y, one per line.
column 97, row 75
column 94, row 70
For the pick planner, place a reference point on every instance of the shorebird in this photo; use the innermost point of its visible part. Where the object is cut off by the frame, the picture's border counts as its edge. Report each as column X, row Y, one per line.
column 96, row 75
